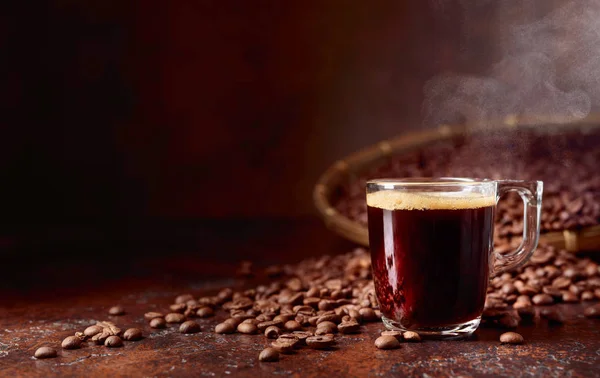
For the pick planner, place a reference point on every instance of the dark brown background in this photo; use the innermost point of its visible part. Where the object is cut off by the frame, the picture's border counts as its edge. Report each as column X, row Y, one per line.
column 136, row 121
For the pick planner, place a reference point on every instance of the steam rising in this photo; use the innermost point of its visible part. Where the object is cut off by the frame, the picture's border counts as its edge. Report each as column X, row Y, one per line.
column 550, row 65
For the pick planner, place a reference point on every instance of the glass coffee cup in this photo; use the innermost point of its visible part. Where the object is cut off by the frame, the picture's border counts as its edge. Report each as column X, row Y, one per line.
column 431, row 242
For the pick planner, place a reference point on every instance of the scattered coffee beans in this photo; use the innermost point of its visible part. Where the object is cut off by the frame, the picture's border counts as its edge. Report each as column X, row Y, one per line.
column 158, row 323
column 189, row 326
column 387, row 342
column 113, row 342
column 133, row 334
column 71, row 342
column 268, row 355
column 511, row 338
column 45, row 352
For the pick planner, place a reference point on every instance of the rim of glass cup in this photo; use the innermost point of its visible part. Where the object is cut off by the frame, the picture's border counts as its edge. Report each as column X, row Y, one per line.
column 389, row 183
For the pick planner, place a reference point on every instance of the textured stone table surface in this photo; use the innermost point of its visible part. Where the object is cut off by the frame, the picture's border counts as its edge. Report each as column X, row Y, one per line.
column 569, row 350
column 44, row 303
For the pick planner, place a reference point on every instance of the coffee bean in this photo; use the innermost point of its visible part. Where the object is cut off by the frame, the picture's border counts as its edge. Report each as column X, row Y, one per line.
column 113, row 342
column 528, row 290
column 387, row 342
column 116, row 311
column 292, row 325
column 326, row 305
column 492, row 313
column 247, row 328
column 334, row 318
column 183, row 298
column 205, row 312
column 132, row 334
column 411, row 336
column 158, row 323
column 526, row 313
column 313, row 302
column 302, row 336
column 174, row 317
column 561, row 283
column 225, row 328
column 597, row 293
column 283, row 318
column 178, row 307
column 553, row 317
column 587, row 296
column 92, row 330
column 235, row 321
column 320, row 342
column 396, row 334
column 264, row 325
column 552, row 291
column 151, row 315
column 285, row 343
column 569, row 297
column 349, row 327
column 189, row 326
column 508, row 288
column 592, row 311
column 509, row 320
column 542, row 300
column 45, row 352
column 330, row 327
column 511, row 338
column 71, row 342
column 268, row 355
column 272, row 332
column 303, row 310
column 313, row 292
column 523, row 299
column 251, row 321
column 575, row 289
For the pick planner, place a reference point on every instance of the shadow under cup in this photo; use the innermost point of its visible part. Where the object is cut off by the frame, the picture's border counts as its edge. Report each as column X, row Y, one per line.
column 431, row 249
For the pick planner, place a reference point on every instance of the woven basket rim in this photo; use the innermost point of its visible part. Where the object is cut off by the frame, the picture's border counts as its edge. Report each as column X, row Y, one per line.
column 586, row 238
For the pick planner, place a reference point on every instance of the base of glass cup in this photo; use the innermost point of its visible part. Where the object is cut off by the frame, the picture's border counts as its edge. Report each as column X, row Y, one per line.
column 451, row 332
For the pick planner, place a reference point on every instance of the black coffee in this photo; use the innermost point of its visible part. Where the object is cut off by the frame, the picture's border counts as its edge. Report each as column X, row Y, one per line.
column 430, row 256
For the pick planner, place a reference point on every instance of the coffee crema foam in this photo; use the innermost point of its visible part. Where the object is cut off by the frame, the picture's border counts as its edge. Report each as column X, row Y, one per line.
column 396, row 200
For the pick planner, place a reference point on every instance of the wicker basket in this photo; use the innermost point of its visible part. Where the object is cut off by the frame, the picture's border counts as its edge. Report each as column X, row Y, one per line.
column 347, row 169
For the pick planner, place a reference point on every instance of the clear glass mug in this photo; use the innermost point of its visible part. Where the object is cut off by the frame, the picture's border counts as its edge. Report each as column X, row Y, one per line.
column 431, row 242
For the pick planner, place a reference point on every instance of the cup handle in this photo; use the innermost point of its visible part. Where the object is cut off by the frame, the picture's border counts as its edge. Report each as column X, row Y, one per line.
column 531, row 194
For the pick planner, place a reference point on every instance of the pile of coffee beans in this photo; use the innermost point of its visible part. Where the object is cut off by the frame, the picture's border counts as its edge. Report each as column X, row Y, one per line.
column 566, row 162
column 314, row 302
column 550, row 276
column 303, row 305
column 102, row 333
